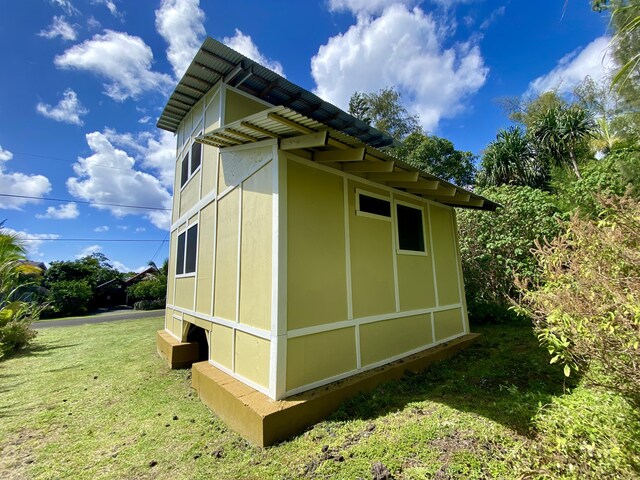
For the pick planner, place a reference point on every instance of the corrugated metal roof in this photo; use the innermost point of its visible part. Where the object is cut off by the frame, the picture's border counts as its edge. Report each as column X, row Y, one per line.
column 215, row 61
column 285, row 123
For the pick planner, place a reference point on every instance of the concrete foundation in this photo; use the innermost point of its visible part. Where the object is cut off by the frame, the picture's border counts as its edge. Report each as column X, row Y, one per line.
column 177, row 354
column 264, row 421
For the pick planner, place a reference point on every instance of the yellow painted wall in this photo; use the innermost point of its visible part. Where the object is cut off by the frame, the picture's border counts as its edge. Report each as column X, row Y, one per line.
column 199, row 322
column 386, row 339
column 315, row 357
column 205, row 258
column 175, row 201
column 172, row 324
column 212, row 114
column 184, row 292
column 444, row 255
column 448, row 323
column 236, row 165
column 197, row 112
column 316, row 272
column 225, row 289
column 209, row 165
column 255, row 265
column 171, row 273
column 190, row 194
column 252, row 358
column 238, row 106
column 221, row 345
column 371, row 260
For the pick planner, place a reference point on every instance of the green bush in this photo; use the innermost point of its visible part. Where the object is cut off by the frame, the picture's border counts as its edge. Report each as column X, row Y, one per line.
column 150, row 289
column 496, row 247
column 149, row 304
column 15, row 326
column 70, row 297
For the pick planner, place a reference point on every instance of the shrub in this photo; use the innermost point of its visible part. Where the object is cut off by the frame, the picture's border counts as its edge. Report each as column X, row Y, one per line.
column 15, row 325
column 586, row 310
column 496, row 246
column 70, row 297
column 149, row 304
column 150, row 289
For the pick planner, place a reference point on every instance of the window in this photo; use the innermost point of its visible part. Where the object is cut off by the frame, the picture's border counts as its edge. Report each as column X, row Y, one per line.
column 373, row 205
column 191, row 162
column 187, row 249
column 410, row 228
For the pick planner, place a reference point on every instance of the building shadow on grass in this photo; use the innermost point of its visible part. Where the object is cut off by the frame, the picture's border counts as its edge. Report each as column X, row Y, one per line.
column 504, row 377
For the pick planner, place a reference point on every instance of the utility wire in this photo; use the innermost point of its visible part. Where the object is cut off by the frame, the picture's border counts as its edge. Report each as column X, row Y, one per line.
column 159, row 247
column 62, row 239
column 83, row 202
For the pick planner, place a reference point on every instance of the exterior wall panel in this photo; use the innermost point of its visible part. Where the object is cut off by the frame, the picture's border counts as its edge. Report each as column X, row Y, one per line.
column 221, row 346
column 206, row 231
column 445, row 255
column 448, row 323
column 209, row 165
column 184, row 292
column 239, row 106
column 226, row 270
column 237, row 165
column 190, row 194
column 252, row 358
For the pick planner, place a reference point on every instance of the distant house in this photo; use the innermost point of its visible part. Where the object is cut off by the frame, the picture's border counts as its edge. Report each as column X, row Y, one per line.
column 301, row 252
column 114, row 292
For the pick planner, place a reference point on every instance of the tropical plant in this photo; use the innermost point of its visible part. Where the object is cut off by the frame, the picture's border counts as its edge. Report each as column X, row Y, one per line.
column 151, row 292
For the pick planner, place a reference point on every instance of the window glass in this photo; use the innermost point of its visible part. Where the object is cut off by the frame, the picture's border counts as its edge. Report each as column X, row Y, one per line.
column 180, row 256
column 376, row 206
column 192, row 245
column 410, row 228
column 196, row 155
column 185, row 170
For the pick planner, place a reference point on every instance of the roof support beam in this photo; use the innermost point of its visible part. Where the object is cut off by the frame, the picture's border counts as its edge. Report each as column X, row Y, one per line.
column 370, row 167
column 350, row 155
column 198, row 79
column 189, row 87
column 395, row 177
column 289, row 123
column 217, row 57
column 230, row 76
column 422, row 185
column 241, row 135
column 311, row 140
column 176, row 107
column 224, row 138
column 260, row 130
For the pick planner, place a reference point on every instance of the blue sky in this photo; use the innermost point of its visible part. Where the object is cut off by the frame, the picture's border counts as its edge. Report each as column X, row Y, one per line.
column 84, row 81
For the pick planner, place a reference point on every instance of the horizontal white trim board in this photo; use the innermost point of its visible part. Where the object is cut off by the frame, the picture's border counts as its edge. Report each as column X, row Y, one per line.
column 256, row 332
column 240, row 378
column 350, row 373
column 327, row 327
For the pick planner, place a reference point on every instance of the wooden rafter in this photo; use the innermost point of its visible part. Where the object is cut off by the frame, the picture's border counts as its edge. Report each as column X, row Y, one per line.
column 348, row 155
column 370, row 167
column 396, row 176
column 289, row 123
column 259, row 129
column 310, row 140
column 242, row 135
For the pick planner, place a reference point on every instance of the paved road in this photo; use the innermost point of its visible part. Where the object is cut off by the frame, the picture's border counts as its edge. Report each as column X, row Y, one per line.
column 99, row 318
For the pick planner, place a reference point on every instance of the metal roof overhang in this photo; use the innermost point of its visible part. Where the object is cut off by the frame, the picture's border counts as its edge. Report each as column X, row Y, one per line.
column 216, row 62
column 319, row 142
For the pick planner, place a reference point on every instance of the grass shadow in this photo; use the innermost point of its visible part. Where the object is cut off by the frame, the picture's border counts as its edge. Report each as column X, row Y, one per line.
column 504, row 377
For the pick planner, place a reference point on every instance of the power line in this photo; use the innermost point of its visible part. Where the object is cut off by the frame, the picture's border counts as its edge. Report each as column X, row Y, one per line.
column 84, row 202
column 159, row 247
column 62, row 239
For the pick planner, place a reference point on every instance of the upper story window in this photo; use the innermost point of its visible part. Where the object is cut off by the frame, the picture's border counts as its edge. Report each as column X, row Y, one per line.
column 370, row 204
column 187, row 248
column 410, row 221
column 190, row 162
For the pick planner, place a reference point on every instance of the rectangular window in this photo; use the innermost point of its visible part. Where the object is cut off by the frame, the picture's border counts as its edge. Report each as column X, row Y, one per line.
column 371, row 204
column 187, row 251
column 191, row 162
column 184, row 176
column 196, row 156
column 410, row 228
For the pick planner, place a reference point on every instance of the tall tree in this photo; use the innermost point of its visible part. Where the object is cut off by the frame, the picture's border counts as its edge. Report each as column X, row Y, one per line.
column 384, row 110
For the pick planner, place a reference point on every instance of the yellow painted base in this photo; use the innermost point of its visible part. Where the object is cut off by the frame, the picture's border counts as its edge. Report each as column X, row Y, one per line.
column 264, row 422
column 177, row 354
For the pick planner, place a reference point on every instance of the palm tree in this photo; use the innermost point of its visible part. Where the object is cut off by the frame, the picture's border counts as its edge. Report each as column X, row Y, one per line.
column 12, row 256
column 509, row 160
column 560, row 132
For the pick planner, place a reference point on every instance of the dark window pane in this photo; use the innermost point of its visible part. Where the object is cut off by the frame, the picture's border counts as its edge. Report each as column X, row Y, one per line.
column 192, row 246
column 185, row 170
column 180, row 256
column 410, row 229
column 196, row 155
column 375, row 205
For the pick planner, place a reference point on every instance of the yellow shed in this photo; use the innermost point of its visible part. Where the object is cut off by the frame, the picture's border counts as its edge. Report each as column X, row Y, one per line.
column 301, row 253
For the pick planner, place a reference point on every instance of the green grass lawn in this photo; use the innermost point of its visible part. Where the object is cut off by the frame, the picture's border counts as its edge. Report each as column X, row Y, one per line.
column 94, row 401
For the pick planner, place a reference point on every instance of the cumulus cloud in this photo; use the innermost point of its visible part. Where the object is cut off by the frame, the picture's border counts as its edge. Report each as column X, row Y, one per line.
column 32, row 241
column 122, row 184
column 59, row 28
column 181, row 24
column 405, row 49
column 68, row 211
column 244, row 44
column 592, row 61
column 102, row 228
column 122, row 59
column 121, row 267
column 366, row 7
column 88, row 251
column 68, row 110
column 20, row 184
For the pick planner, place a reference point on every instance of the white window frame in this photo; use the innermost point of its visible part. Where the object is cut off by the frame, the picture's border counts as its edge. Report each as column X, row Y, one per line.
column 189, row 153
column 367, row 193
column 184, row 255
column 397, row 229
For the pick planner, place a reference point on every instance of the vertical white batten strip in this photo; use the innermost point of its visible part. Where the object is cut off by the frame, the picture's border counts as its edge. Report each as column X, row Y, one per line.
column 195, row 279
column 433, row 259
column 240, row 188
column 214, row 255
column 347, row 257
column 394, row 251
column 278, row 345
column 463, row 299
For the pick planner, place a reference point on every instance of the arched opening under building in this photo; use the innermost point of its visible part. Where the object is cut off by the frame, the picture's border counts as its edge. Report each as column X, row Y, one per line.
column 197, row 335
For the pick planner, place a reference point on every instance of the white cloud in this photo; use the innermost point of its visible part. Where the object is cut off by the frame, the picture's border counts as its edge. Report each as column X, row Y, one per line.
column 68, row 110
column 32, row 241
column 66, row 5
column 121, row 267
column 20, row 184
column 181, row 24
column 144, row 120
column 122, row 59
column 88, row 251
column 244, row 44
column 102, row 228
column 67, row 211
column 404, row 49
column 5, row 155
column 366, row 7
column 572, row 69
column 140, row 229
column 110, row 6
column 497, row 13
column 122, row 184
column 59, row 28
column 124, row 228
